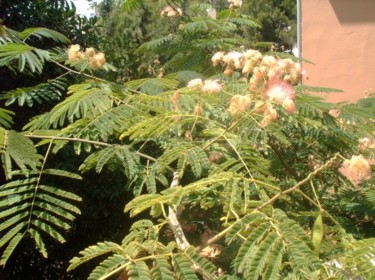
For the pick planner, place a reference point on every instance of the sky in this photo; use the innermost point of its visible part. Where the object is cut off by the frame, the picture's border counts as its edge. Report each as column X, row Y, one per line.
column 83, row 7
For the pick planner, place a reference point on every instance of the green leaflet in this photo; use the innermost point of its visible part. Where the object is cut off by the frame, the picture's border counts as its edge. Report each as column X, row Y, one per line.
column 129, row 5
column 152, row 86
column 246, row 221
column 141, row 203
column 11, row 247
column 246, row 250
column 266, row 244
column 39, row 241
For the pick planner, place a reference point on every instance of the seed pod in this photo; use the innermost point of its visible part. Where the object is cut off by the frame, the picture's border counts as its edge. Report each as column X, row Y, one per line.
column 317, row 233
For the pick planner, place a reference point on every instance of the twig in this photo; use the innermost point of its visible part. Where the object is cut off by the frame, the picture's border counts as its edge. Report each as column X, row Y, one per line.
column 98, row 143
column 77, row 72
column 181, row 240
column 299, row 184
column 271, row 200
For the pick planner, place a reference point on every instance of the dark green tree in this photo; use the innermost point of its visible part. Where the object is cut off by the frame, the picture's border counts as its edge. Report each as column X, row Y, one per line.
column 278, row 20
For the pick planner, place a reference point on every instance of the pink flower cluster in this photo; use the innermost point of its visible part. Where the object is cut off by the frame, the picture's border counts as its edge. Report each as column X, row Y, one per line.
column 357, row 169
column 272, row 78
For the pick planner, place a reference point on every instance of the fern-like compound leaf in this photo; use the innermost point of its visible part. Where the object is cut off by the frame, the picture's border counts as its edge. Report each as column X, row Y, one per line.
column 85, row 100
column 162, row 269
column 130, row 5
column 93, row 251
column 238, row 226
column 206, row 267
column 182, row 268
column 50, row 91
column 107, row 266
column 6, row 117
column 259, row 258
column 15, row 148
column 23, row 57
column 197, row 159
column 42, row 32
column 272, row 271
column 241, row 263
column 138, row 271
column 27, row 206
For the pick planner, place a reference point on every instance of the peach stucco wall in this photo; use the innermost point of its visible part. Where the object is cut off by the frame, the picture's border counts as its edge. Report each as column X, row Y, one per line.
column 339, row 37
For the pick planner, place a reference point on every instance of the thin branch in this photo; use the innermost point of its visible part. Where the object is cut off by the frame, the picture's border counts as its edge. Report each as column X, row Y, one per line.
column 272, row 200
column 239, row 155
column 38, row 183
column 180, row 237
column 300, row 183
column 77, row 72
column 98, row 143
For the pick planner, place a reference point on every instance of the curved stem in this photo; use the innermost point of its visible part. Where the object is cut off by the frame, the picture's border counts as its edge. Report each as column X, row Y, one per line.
column 180, row 237
column 273, row 199
column 38, row 183
column 90, row 142
column 77, row 72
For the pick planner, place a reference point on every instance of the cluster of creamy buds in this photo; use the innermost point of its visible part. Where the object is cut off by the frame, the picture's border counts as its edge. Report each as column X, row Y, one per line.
column 272, row 77
column 262, row 68
column 168, row 11
column 238, row 104
column 357, row 169
column 207, row 86
column 235, row 4
column 96, row 60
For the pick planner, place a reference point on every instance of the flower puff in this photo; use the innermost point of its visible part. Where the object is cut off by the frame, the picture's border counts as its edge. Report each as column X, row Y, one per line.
column 234, row 59
column 239, row 103
column 195, row 83
column 90, row 52
column 216, row 58
column 97, row 61
column 212, row 86
column 168, row 11
column 278, row 91
column 357, row 169
column 74, row 52
column 289, row 105
column 235, row 3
